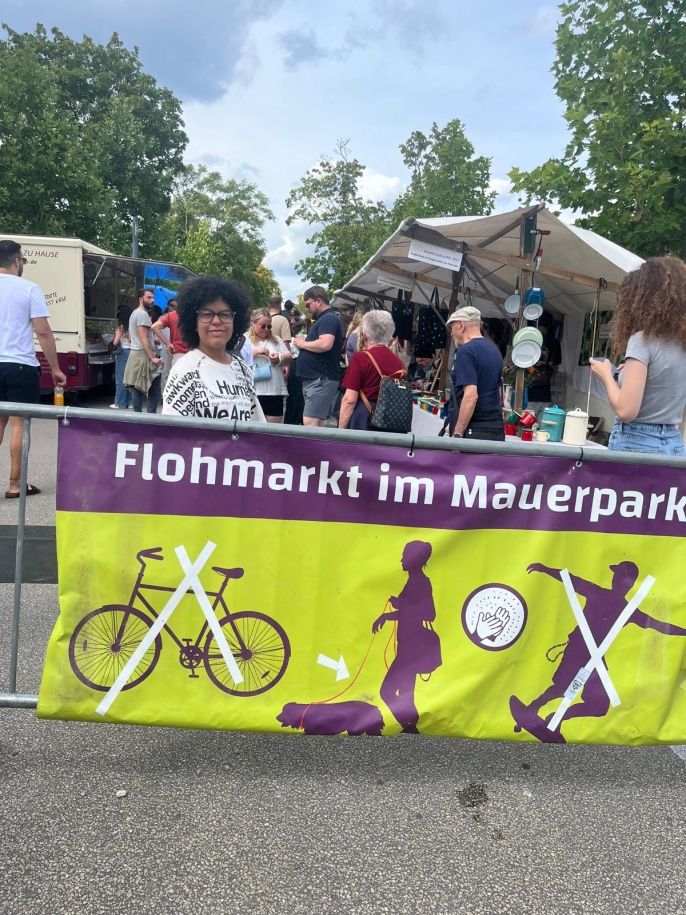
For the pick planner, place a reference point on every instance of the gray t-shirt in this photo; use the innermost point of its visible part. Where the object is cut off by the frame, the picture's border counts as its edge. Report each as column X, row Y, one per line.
column 139, row 317
column 664, row 397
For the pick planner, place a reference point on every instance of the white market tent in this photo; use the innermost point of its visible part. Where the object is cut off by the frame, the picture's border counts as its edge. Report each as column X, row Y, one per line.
column 483, row 254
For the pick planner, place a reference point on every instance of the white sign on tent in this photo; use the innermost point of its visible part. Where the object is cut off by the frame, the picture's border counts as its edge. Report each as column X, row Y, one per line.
column 434, row 254
column 400, row 282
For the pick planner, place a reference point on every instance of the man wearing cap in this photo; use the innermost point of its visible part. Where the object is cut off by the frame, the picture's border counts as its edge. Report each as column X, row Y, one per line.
column 602, row 608
column 476, row 406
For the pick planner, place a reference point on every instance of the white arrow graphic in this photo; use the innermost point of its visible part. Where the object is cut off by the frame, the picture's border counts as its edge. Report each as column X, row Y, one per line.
column 339, row 666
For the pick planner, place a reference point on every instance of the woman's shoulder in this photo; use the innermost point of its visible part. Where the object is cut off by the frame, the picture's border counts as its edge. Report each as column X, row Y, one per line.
column 189, row 360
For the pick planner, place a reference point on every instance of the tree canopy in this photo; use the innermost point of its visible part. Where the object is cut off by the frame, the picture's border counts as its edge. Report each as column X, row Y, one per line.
column 215, row 226
column 621, row 72
column 349, row 229
column 87, row 140
column 445, row 179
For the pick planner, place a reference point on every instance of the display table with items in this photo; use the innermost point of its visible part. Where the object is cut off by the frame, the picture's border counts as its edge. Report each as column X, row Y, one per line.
column 428, row 414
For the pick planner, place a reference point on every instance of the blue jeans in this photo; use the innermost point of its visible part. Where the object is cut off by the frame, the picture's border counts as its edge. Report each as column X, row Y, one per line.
column 122, row 397
column 154, row 396
column 646, row 438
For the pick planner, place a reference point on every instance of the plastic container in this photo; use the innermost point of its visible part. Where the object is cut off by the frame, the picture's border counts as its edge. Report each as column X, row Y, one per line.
column 576, row 428
column 534, row 296
column 58, row 395
column 553, row 421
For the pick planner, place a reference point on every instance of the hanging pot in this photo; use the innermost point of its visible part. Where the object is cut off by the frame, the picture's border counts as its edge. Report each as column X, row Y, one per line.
column 534, row 296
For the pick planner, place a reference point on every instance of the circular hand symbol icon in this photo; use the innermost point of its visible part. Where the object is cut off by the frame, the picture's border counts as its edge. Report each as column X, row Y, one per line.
column 493, row 616
column 490, row 625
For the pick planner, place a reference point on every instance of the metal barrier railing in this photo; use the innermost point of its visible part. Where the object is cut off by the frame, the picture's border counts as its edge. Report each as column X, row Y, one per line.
column 577, row 454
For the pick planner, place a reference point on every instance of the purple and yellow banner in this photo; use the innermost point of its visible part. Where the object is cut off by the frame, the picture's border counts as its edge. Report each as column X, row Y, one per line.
column 259, row 582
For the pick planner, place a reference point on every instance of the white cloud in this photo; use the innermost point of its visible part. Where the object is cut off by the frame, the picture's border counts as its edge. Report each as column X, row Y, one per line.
column 375, row 185
column 293, row 246
column 506, row 200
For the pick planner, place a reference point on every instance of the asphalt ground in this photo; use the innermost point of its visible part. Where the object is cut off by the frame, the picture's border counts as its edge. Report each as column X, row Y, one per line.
column 232, row 823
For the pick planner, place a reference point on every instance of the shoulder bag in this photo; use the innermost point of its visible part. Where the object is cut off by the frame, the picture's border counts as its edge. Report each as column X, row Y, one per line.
column 393, row 410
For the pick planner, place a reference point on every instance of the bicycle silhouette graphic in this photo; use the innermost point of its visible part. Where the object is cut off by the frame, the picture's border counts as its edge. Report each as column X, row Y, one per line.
column 104, row 640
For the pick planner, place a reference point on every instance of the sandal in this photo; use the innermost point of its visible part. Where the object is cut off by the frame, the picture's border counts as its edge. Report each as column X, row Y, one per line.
column 31, row 490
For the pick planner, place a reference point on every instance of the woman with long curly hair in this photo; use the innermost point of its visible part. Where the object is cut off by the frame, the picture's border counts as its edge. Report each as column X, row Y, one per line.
column 211, row 381
column 650, row 328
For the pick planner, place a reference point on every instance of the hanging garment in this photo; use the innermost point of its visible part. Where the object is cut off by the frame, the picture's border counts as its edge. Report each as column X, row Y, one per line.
column 432, row 331
column 402, row 312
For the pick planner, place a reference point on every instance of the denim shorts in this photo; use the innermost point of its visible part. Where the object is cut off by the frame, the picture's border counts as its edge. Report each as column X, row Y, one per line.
column 319, row 394
column 646, row 438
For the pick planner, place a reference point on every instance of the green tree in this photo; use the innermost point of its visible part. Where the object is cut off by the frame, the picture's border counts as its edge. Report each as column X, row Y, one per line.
column 621, row 73
column 446, row 178
column 216, row 226
column 349, row 228
column 87, row 140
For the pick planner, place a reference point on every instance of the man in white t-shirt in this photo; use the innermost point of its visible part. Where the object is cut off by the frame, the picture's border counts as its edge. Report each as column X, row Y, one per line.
column 23, row 312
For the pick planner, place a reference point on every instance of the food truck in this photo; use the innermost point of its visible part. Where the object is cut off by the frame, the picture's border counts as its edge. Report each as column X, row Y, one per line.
column 84, row 286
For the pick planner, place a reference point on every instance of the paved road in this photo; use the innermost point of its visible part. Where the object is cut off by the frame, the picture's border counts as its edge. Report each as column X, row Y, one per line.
column 234, row 823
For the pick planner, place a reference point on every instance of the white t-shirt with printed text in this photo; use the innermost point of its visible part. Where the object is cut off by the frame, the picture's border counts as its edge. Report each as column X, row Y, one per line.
column 199, row 386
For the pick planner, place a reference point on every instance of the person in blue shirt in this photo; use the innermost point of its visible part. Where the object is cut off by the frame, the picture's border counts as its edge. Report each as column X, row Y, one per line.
column 318, row 363
column 476, row 405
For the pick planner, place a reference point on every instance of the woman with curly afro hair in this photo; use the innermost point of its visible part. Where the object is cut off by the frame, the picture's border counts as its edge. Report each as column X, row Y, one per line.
column 211, row 380
column 650, row 328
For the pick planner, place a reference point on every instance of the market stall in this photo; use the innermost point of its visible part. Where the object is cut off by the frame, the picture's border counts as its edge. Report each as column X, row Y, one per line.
column 432, row 265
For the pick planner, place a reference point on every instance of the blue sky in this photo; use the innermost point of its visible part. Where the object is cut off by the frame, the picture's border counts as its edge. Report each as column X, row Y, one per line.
column 269, row 86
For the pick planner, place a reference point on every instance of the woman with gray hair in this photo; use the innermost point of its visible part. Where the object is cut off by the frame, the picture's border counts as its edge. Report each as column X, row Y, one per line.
column 366, row 369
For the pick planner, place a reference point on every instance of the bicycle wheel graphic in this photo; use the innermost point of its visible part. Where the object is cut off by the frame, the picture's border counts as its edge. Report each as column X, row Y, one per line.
column 261, row 649
column 103, row 642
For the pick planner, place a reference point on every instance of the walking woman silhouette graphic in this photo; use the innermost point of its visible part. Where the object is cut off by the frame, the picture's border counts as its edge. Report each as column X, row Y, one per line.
column 418, row 649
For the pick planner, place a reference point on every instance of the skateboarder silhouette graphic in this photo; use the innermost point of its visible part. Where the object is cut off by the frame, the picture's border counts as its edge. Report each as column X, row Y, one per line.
column 418, row 647
column 601, row 613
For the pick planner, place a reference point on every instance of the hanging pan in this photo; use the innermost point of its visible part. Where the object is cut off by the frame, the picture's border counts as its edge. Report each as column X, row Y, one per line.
column 526, row 353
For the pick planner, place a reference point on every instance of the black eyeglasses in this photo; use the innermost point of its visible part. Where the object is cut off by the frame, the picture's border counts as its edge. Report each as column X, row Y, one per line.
column 206, row 316
column 264, row 326
column 24, row 260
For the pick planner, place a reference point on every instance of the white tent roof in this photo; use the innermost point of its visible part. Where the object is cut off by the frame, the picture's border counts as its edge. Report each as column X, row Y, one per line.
column 573, row 264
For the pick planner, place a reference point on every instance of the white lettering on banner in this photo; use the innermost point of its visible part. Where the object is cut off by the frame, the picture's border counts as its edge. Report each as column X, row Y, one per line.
column 197, row 462
column 675, row 507
column 632, row 505
column 603, row 504
column 557, row 498
column 414, row 484
column 505, row 495
column 477, row 492
column 244, row 468
column 461, row 491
